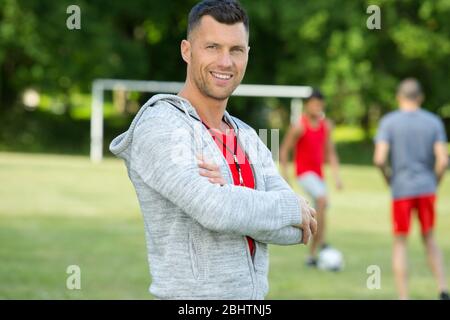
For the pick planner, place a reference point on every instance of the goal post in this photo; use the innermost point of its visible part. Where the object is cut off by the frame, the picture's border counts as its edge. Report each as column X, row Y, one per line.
column 295, row 93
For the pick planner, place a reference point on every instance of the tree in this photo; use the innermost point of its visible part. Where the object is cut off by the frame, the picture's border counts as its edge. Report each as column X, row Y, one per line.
column 323, row 43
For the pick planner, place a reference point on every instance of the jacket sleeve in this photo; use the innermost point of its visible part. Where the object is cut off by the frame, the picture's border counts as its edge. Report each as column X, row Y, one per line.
column 274, row 182
column 284, row 237
column 163, row 155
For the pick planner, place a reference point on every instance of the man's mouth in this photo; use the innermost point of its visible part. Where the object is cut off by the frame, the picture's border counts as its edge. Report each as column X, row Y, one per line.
column 221, row 76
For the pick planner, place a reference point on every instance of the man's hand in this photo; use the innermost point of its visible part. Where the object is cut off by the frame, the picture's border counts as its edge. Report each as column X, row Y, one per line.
column 210, row 171
column 441, row 160
column 380, row 156
column 309, row 222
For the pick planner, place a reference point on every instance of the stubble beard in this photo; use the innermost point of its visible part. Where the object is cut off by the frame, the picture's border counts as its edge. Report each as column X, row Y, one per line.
column 206, row 89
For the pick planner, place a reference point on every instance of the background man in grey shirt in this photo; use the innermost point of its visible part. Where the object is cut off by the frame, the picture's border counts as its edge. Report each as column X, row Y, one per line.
column 415, row 141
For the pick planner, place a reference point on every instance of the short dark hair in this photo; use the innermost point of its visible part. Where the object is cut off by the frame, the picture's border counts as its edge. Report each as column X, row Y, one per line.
column 410, row 89
column 223, row 11
column 315, row 93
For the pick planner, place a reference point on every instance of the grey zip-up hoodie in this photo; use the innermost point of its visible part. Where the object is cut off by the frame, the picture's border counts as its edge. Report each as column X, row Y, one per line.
column 195, row 230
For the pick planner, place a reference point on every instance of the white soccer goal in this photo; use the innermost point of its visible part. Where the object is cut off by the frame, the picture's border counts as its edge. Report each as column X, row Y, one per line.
column 296, row 93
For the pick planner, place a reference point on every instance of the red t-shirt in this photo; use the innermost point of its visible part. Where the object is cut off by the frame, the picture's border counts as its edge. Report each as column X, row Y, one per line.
column 310, row 147
column 229, row 138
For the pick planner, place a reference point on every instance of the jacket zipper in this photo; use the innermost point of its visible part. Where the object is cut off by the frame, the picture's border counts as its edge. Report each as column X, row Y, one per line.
column 254, row 181
column 249, row 255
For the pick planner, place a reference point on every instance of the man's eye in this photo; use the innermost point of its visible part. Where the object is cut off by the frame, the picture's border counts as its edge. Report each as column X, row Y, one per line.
column 211, row 47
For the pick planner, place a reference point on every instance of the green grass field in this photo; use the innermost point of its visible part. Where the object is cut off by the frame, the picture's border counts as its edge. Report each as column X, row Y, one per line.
column 57, row 211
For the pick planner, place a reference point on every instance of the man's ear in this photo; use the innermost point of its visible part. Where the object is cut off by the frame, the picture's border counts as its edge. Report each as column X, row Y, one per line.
column 186, row 51
column 421, row 99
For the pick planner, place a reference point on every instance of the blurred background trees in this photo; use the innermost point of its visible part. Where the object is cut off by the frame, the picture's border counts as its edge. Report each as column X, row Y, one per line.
column 323, row 43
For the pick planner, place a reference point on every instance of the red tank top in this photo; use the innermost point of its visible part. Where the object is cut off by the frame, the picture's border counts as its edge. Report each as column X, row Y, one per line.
column 310, row 147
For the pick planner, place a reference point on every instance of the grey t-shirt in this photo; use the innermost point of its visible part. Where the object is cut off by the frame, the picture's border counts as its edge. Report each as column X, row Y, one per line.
column 411, row 136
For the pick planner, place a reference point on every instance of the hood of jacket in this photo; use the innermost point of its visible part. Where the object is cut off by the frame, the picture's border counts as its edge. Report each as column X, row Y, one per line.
column 120, row 146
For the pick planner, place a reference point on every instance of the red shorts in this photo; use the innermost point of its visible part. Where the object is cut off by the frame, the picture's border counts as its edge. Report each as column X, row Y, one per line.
column 402, row 210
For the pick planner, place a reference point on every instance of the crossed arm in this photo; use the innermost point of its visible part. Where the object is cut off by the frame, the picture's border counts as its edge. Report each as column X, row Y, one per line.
column 274, row 182
column 308, row 225
column 231, row 209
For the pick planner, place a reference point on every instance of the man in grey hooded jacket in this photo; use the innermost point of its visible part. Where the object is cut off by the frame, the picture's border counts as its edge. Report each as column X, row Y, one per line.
column 197, row 230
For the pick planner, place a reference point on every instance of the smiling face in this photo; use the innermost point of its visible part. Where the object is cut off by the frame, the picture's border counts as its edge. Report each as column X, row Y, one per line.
column 217, row 56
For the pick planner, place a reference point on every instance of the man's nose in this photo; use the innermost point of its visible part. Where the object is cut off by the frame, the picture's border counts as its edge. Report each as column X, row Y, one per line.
column 225, row 60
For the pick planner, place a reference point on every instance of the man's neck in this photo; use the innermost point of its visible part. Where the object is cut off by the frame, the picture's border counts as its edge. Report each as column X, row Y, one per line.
column 409, row 107
column 210, row 110
column 312, row 119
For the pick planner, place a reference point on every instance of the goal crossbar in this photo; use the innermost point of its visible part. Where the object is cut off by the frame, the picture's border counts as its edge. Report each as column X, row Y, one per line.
column 296, row 93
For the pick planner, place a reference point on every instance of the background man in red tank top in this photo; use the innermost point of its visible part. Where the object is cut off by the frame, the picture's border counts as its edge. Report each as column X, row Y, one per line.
column 310, row 137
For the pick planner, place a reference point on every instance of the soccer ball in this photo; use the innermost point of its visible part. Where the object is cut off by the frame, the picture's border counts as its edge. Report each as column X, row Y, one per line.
column 330, row 259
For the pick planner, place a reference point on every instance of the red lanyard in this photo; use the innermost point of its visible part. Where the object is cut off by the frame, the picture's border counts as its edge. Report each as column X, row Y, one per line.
column 234, row 152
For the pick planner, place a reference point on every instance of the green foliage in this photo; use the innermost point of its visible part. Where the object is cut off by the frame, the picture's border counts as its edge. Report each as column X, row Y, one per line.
column 324, row 43
column 43, row 131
